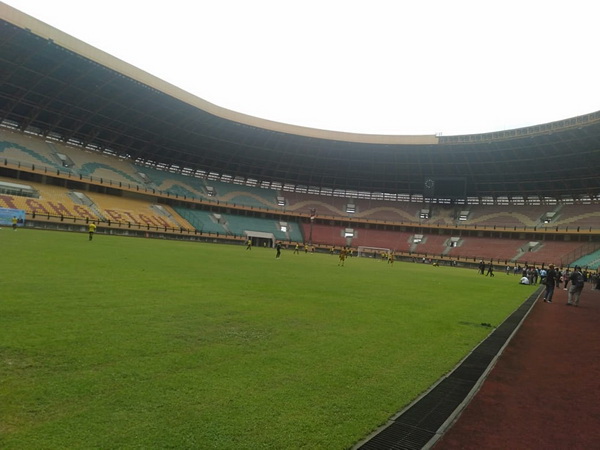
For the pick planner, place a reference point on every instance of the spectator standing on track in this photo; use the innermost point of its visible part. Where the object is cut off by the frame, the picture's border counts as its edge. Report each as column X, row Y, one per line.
column 566, row 276
column 550, row 281
column 577, row 283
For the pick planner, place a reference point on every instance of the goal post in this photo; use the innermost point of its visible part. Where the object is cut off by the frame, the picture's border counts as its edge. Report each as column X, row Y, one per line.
column 372, row 252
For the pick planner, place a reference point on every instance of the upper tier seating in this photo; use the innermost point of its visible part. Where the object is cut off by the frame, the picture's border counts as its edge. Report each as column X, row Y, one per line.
column 174, row 183
column 583, row 216
column 508, row 216
column 325, row 206
column 244, row 195
column 18, row 148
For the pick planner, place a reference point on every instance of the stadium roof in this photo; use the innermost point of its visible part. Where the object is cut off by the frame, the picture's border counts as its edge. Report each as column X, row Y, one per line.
column 61, row 88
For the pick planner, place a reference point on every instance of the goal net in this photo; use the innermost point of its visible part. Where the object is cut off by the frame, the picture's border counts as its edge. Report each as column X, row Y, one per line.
column 372, row 252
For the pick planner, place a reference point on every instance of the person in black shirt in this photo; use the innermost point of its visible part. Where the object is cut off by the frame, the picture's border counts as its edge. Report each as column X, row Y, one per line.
column 550, row 280
column 481, row 267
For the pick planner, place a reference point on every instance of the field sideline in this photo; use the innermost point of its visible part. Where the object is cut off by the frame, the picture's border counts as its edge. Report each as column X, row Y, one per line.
column 141, row 343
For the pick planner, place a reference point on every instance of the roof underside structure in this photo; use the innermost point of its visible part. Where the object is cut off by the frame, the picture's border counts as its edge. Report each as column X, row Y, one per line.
column 60, row 88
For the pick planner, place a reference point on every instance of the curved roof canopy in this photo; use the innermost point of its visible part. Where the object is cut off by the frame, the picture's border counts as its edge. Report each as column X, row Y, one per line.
column 59, row 87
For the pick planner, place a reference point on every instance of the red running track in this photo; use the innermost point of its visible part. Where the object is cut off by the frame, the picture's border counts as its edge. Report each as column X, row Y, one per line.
column 544, row 391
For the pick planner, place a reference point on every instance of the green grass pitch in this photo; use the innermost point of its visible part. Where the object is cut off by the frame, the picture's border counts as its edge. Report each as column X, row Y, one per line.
column 142, row 343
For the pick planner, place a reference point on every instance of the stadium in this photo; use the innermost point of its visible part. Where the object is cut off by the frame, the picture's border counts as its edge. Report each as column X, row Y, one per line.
column 87, row 138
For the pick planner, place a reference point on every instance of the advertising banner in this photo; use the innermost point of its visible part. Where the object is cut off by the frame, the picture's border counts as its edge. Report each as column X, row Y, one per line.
column 7, row 215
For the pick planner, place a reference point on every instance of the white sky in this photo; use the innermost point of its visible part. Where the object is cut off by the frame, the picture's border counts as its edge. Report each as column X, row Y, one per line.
column 372, row 66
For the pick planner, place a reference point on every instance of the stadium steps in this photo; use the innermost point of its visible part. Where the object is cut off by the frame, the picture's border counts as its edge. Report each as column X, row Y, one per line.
column 202, row 221
column 162, row 211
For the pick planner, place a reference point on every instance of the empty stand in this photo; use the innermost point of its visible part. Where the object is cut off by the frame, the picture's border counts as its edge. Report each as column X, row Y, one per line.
column 551, row 252
column 238, row 225
column 389, row 211
column 132, row 211
column 173, row 183
column 203, row 221
column 105, row 171
column 583, row 216
column 19, row 149
column 432, row 245
column 509, row 216
column 397, row 241
column 325, row 234
column 591, row 261
column 34, row 153
column 244, row 195
column 488, row 249
column 53, row 200
column 324, row 206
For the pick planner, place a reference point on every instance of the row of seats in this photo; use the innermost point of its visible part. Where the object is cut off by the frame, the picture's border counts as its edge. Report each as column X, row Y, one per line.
column 435, row 245
column 31, row 150
column 58, row 201
column 591, row 260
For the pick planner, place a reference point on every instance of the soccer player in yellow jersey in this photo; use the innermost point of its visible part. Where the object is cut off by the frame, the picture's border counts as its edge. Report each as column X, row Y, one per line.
column 91, row 229
column 249, row 244
column 343, row 253
column 14, row 223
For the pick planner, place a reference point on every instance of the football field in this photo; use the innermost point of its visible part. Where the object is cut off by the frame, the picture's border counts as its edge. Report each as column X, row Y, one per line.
column 143, row 343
